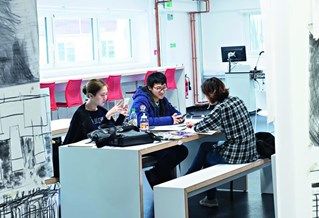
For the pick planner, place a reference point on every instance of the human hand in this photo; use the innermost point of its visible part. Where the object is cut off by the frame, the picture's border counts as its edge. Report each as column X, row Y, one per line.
column 190, row 124
column 118, row 108
column 177, row 118
column 124, row 110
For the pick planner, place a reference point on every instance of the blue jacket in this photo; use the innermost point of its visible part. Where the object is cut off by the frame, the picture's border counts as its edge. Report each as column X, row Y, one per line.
column 157, row 115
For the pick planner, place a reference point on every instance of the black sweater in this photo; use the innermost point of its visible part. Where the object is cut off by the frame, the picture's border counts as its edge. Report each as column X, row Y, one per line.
column 81, row 124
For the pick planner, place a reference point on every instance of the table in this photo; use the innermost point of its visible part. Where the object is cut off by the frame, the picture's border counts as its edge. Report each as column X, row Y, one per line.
column 105, row 182
column 59, row 127
column 102, row 74
column 242, row 85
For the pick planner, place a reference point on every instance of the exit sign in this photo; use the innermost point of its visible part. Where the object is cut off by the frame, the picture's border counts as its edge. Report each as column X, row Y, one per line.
column 168, row 4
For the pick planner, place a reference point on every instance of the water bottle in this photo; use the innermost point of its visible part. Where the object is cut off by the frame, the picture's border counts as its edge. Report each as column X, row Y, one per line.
column 144, row 124
column 133, row 118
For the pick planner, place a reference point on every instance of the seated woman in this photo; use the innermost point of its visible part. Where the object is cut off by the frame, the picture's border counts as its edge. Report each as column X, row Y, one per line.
column 230, row 115
column 92, row 114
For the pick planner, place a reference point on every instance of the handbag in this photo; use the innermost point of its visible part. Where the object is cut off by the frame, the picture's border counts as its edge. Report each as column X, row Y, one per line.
column 102, row 136
column 121, row 136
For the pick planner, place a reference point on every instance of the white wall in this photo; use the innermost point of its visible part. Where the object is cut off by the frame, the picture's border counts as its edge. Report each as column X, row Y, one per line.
column 176, row 44
column 110, row 4
column 291, row 73
column 225, row 25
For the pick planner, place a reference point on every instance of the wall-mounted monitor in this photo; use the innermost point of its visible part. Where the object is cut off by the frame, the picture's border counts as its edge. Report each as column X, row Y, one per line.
column 233, row 53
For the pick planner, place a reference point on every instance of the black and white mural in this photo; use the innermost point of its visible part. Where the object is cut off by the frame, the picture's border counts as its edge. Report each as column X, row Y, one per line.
column 25, row 133
column 314, row 89
column 18, row 43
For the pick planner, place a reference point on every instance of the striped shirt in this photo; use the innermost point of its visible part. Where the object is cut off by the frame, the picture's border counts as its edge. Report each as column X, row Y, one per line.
column 231, row 116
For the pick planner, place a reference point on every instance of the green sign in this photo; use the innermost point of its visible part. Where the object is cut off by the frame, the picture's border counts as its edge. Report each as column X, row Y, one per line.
column 168, row 4
column 172, row 45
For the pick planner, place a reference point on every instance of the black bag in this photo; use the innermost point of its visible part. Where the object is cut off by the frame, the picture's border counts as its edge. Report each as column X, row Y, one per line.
column 102, row 136
column 265, row 143
column 121, row 136
column 132, row 137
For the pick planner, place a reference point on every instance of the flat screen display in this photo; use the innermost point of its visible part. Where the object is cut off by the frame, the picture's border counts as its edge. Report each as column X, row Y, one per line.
column 234, row 53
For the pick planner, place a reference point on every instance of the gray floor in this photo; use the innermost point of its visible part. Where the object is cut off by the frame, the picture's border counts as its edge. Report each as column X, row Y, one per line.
column 251, row 204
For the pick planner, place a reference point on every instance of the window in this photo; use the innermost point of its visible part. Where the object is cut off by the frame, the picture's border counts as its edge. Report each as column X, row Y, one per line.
column 77, row 41
column 43, row 42
column 256, row 32
column 73, row 40
column 115, row 39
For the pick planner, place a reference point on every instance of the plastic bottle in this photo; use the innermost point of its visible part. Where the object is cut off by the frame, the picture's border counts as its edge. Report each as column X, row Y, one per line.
column 133, row 118
column 144, row 124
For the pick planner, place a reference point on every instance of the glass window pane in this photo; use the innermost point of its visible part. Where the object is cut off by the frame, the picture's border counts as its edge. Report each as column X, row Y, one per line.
column 256, row 33
column 115, row 38
column 73, row 40
column 43, row 42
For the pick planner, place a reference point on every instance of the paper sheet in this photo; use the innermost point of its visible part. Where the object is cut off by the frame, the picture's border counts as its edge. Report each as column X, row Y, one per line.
column 178, row 127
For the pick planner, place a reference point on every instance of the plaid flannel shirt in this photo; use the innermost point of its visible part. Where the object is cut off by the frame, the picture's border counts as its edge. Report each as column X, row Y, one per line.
column 232, row 117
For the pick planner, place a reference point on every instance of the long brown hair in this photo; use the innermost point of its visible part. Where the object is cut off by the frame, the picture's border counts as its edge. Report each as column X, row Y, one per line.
column 215, row 90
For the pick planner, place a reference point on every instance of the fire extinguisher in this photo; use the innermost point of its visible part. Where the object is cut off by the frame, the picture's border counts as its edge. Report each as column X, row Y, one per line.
column 187, row 86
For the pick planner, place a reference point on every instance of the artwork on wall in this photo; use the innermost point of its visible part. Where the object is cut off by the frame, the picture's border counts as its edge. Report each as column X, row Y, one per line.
column 18, row 44
column 25, row 141
column 25, row 132
column 314, row 90
column 34, row 203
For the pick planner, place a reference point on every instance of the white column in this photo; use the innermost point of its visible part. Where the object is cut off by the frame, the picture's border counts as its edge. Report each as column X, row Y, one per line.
column 290, row 21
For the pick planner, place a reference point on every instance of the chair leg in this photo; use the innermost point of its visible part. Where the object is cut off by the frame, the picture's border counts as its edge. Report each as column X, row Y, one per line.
column 174, row 173
column 231, row 190
column 57, row 113
column 256, row 117
column 178, row 105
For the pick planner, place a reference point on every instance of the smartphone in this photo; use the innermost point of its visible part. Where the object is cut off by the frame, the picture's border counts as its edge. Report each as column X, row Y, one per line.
column 181, row 116
column 126, row 101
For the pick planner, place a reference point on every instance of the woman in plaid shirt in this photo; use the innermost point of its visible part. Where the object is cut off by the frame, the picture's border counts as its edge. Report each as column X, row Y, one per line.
column 230, row 115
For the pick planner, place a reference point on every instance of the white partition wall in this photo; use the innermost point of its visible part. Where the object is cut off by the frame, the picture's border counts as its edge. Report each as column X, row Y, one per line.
column 89, row 176
column 290, row 55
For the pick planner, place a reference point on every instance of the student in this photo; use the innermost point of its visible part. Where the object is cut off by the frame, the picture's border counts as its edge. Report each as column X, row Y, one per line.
column 92, row 114
column 230, row 115
column 151, row 100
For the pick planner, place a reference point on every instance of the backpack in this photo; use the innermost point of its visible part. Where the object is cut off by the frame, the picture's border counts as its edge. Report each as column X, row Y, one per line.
column 265, row 144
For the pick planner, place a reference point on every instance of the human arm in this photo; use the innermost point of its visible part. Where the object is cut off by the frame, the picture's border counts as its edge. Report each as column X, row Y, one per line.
column 110, row 121
column 117, row 109
column 166, row 114
column 142, row 105
column 210, row 122
column 80, row 126
column 177, row 118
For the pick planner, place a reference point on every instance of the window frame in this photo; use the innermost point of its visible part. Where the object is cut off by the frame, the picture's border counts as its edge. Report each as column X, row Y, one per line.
column 248, row 36
column 140, row 57
column 75, row 64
